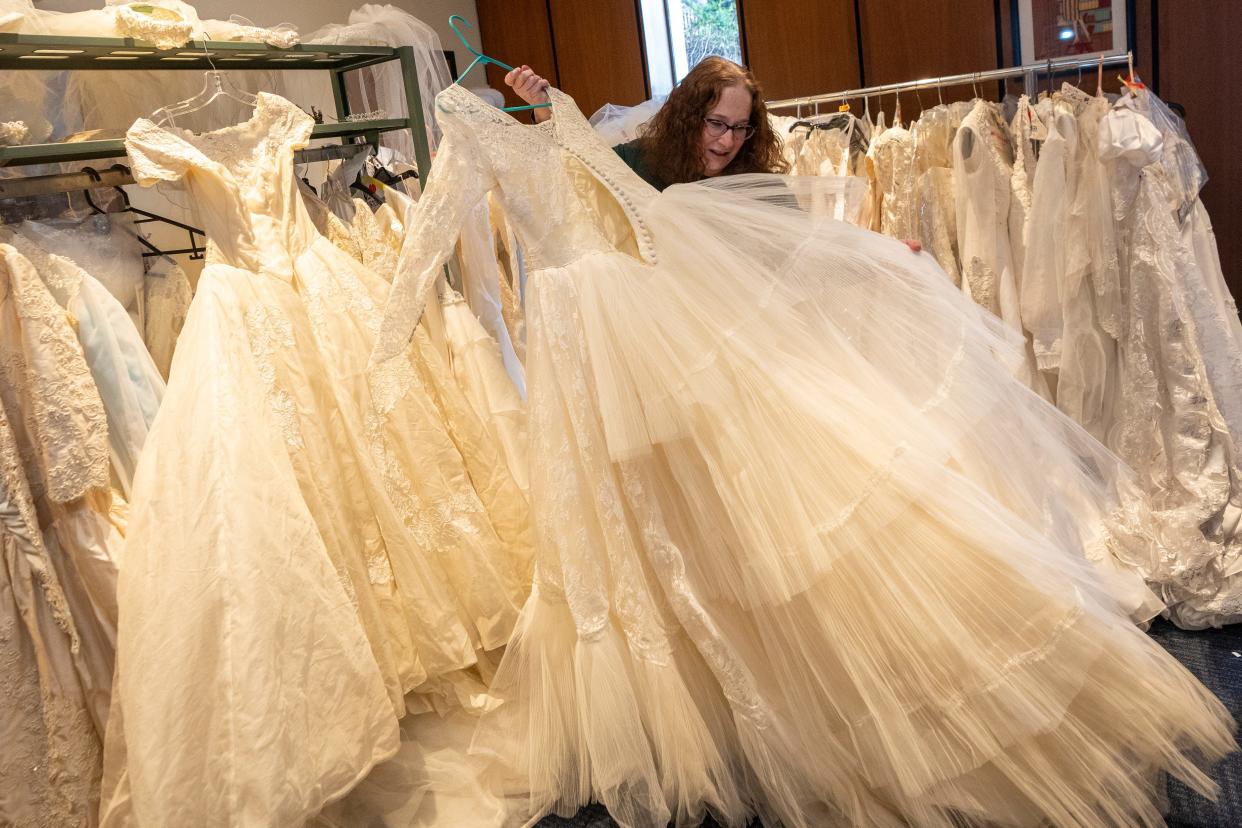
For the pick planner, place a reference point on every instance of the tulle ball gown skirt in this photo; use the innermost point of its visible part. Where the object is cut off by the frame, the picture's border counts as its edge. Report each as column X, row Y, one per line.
column 808, row 551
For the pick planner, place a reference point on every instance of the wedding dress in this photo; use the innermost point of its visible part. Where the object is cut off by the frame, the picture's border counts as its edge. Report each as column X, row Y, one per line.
column 304, row 548
column 982, row 169
column 128, row 380
column 477, row 360
column 1177, row 420
column 105, row 246
column 55, row 653
column 806, row 550
column 167, row 294
column 986, row 224
column 1022, row 188
column 893, row 155
column 1047, row 221
column 1088, row 378
column 467, row 349
column 937, row 210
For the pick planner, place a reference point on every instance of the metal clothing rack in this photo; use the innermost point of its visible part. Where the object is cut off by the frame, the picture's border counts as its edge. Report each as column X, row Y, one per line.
column 26, row 52
column 1030, row 73
column 119, row 175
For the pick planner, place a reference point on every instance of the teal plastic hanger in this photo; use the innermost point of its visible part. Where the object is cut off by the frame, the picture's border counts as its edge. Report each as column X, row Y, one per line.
column 479, row 57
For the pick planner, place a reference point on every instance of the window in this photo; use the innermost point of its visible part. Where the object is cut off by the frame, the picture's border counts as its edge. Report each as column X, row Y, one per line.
column 680, row 33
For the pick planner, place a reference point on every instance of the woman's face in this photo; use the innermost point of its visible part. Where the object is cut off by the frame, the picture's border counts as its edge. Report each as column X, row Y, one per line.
column 733, row 109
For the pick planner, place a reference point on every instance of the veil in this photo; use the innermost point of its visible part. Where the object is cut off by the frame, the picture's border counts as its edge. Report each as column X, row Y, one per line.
column 619, row 124
column 381, row 86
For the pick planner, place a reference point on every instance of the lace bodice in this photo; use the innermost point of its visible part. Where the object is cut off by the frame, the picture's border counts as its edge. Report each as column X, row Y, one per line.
column 982, row 172
column 241, row 178
column 547, row 178
column 893, row 154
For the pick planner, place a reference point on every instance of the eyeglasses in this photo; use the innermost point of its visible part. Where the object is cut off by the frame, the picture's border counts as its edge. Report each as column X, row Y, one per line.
column 717, row 128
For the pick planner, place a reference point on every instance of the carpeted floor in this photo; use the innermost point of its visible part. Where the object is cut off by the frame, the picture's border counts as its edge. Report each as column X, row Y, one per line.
column 1215, row 656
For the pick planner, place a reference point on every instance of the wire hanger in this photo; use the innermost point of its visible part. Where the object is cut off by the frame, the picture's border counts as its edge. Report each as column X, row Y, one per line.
column 195, row 250
column 479, row 57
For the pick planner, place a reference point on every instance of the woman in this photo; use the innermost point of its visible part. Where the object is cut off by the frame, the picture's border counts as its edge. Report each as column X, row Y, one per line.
column 713, row 123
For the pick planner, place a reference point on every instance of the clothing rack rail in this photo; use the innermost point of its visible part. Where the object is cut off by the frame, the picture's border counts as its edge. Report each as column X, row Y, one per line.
column 1030, row 72
column 119, row 175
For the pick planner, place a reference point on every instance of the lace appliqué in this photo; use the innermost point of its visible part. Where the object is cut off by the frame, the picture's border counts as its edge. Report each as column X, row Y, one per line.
column 983, row 285
column 167, row 295
column 13, row 133
column 19, row 518
column 269, row 333
column 66, row 413
column 162, row 33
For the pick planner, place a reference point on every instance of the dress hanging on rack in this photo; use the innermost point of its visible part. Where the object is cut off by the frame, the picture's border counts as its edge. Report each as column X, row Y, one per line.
column 1177, row 421
column 410, row 554
column 128, row 380
column 56, row 641
column 937, row 209
column 167, row 295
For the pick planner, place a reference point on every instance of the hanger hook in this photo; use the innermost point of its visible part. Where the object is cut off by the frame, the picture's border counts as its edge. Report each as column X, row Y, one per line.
column 974, row 83
column 453, row 22
column 86, row 193
column 939, row 90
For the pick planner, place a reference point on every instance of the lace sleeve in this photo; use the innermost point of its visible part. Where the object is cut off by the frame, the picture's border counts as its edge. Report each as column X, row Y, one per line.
column 460, row 177
column 154, row 154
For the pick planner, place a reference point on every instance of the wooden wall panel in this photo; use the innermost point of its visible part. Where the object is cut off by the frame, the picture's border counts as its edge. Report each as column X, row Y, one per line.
column 1199, row 69
column 517, row 32
column 904, row 41
column 599, row 52
column 796, row 47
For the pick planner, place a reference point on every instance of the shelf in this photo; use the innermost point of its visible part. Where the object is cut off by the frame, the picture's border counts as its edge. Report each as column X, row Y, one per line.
column 93, row 150
column 42, row 52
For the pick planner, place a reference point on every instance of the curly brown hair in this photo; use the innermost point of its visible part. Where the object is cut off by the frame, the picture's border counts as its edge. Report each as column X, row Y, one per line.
column 672, row 140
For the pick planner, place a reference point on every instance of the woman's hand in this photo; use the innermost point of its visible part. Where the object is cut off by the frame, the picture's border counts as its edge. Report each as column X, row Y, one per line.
column 531, row 88
column 914, row 245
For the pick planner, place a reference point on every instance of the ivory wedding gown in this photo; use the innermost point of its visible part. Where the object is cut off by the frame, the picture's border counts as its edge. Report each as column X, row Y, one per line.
column 305, row 549
column 805, row 548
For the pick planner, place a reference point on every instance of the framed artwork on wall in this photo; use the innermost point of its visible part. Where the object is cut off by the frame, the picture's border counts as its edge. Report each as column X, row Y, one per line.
column 1052, row 29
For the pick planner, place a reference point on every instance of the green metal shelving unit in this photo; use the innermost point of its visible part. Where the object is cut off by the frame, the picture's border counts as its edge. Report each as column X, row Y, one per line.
column 39, row 52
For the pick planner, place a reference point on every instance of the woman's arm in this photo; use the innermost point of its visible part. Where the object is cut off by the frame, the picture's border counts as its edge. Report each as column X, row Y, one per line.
column 531, row 88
